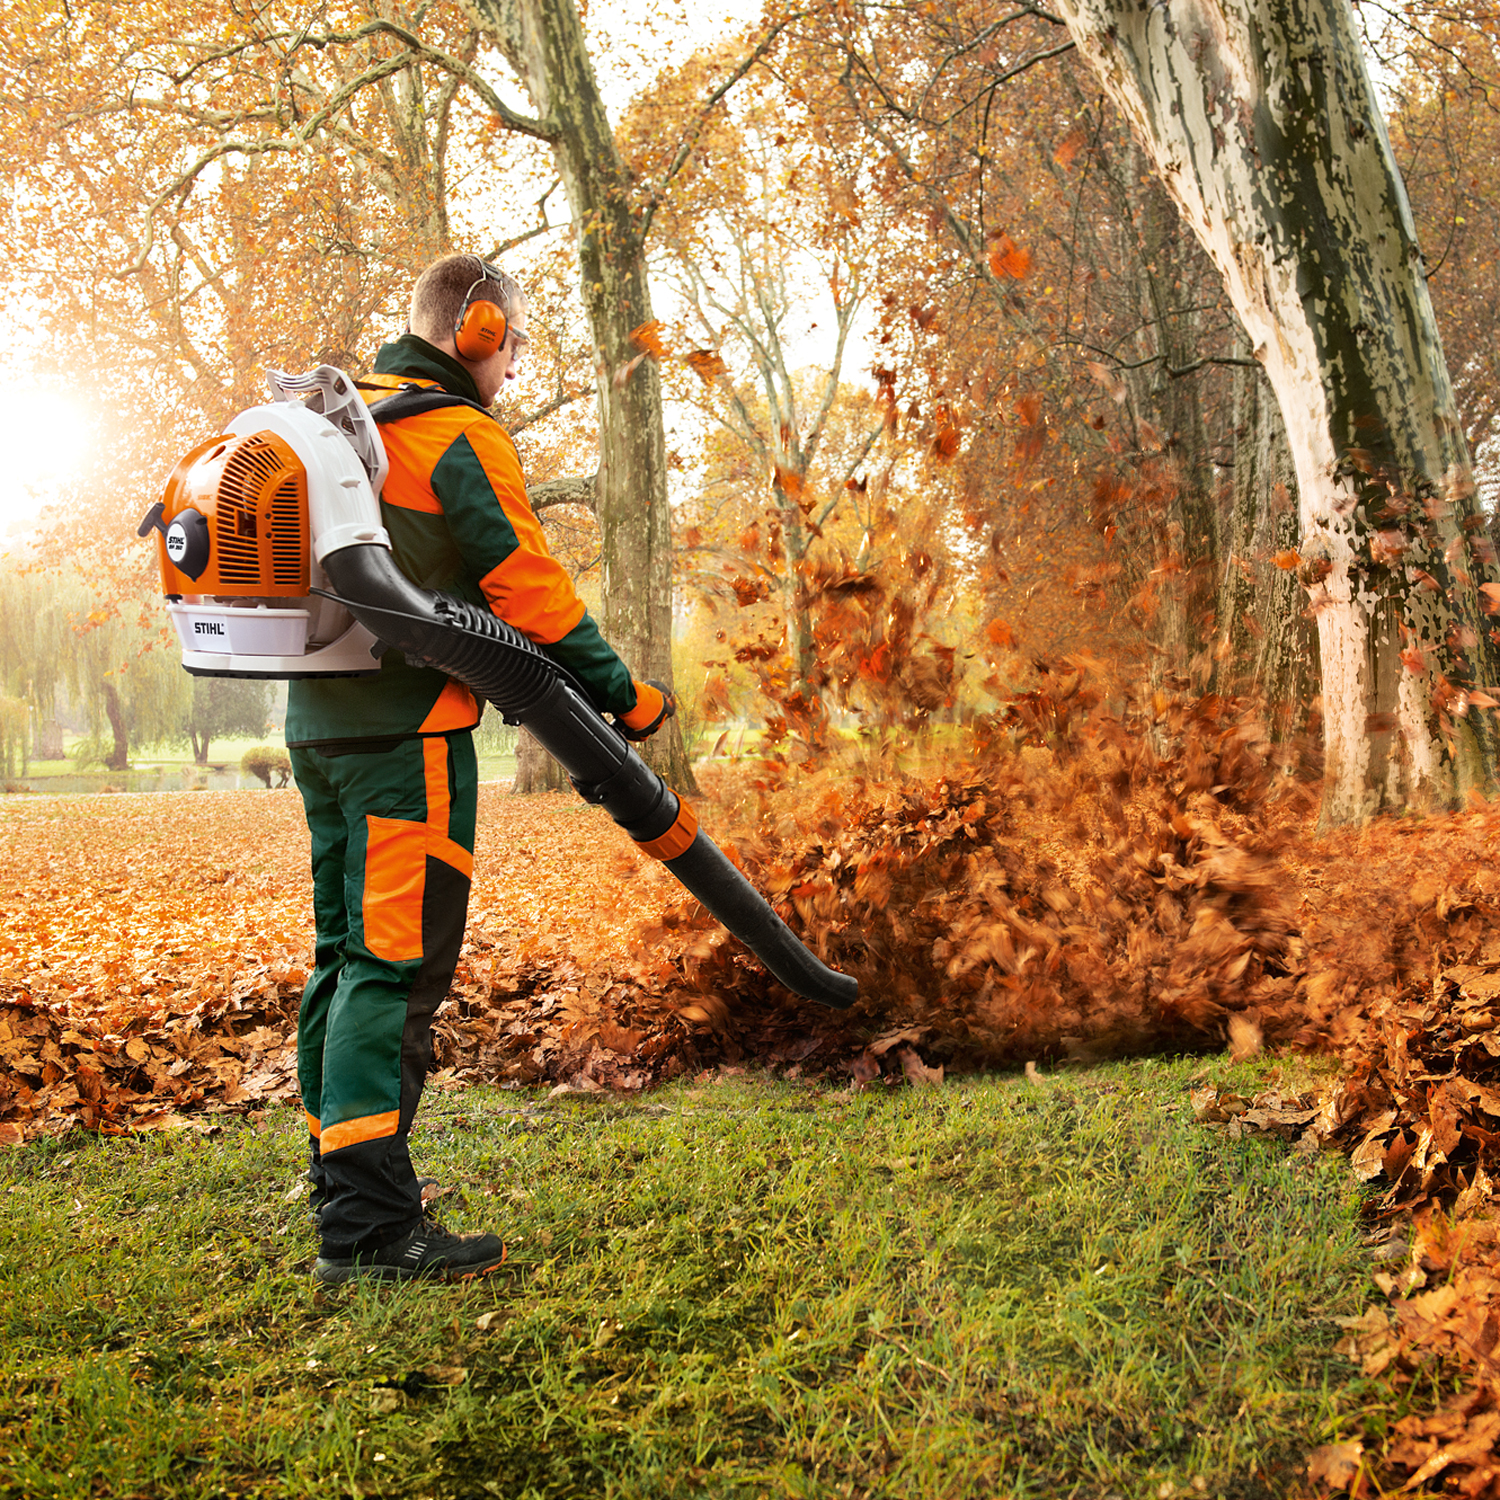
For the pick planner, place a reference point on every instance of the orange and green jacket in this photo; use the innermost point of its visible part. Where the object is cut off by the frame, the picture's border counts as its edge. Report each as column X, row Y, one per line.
column 455, row 507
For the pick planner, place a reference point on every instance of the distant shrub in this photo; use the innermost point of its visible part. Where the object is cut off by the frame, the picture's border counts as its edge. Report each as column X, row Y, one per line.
column 266, row 761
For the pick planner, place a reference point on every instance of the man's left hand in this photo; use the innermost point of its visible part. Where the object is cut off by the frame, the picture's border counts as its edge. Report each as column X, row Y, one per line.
column 655, row 703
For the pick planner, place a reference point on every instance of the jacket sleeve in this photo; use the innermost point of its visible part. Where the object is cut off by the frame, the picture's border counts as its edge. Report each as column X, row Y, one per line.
column 479, row 484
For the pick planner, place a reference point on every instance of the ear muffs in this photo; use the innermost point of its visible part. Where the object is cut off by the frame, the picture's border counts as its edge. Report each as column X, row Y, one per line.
column 480, row 330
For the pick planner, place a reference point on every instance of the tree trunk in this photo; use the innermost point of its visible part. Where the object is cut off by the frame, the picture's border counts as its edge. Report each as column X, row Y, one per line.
column 1184, row 537
column 544, row 40
column 1261, row 121
column 803, row 702
column 48, row 741
column 1271, row 643
column 119, row 755
column 536, row 771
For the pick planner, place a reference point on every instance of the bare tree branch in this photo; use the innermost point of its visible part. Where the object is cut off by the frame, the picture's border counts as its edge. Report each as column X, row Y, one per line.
column 1175, row 371
column 561, row 398
column 541, row 130
column 577, row 490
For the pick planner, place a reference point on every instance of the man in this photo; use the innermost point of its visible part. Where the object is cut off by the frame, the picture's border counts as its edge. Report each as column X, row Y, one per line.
column 387, row 772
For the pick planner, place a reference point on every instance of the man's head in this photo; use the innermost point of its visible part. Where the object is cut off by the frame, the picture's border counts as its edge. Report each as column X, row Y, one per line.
column 450, row 288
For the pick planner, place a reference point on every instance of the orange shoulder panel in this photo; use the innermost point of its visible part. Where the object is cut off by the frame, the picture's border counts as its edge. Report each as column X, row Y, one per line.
column 414, row 448
column 530, row 589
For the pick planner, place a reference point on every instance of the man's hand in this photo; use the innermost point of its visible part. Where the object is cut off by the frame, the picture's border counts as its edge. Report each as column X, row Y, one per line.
column 654, row 705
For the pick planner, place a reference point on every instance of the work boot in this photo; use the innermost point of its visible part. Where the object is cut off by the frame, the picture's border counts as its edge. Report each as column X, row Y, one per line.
column 429, row 1251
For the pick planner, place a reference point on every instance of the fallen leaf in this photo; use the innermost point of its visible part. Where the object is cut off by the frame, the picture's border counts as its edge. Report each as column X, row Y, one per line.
column 623, row 374
column 1069, row 147
column 1244, row 1037
column 621, row 1039
column 883, row 1044
column 917, row 1072
column 706, row 364
column 647, row 338
column 1368, row 1159
column 1335, row 1464
column 1007, row 259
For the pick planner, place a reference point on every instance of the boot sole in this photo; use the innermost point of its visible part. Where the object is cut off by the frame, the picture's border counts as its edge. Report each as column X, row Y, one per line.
column 339, row 1273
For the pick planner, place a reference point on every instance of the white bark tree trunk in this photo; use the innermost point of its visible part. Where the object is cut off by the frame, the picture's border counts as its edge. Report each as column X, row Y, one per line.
column 1261, row 121
column 1273, row 647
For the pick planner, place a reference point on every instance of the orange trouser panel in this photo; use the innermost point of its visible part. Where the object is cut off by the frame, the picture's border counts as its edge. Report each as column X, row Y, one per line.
column 439, row 805
column 352, row 1132
column 395, row 874
column 435, row 779
column 396, row 854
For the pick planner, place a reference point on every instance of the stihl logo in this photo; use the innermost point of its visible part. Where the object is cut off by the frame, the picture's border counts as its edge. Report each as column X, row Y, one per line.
column 208, row 627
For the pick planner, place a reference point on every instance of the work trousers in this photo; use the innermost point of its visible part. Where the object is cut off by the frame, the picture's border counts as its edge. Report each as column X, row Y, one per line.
column 392, row 854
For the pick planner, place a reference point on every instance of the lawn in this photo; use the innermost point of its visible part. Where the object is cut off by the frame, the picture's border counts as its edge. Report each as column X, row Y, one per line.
column 732, row 1286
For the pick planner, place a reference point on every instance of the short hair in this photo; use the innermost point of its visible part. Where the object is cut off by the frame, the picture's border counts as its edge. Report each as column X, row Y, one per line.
column 438, row 297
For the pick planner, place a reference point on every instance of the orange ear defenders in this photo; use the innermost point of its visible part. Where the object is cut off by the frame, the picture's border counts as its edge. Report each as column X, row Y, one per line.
column 481, row 326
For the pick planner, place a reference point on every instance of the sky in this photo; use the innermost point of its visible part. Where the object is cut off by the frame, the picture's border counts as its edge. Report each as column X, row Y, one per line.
column 44, row 442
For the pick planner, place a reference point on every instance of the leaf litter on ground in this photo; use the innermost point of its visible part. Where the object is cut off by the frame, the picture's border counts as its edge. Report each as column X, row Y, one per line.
column 1151, row 884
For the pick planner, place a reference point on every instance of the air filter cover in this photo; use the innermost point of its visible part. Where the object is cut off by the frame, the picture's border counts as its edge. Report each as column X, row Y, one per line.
column 251, row 491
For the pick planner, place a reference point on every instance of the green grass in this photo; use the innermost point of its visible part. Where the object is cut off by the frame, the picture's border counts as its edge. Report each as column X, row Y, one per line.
column 739, row 1288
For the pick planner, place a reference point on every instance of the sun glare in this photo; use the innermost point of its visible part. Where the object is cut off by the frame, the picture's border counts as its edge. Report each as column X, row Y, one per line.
column 44, row 442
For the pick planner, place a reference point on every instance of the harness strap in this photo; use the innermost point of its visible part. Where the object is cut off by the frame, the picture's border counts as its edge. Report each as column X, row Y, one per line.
column 412, row 400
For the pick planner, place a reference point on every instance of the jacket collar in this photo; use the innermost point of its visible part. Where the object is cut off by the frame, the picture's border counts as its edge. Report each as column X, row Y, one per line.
column 412, row 356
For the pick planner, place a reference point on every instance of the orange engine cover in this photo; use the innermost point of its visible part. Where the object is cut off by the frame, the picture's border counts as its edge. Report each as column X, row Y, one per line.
column 251, row 493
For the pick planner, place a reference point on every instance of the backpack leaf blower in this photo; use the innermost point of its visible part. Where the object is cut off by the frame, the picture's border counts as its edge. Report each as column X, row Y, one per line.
column 275, row 565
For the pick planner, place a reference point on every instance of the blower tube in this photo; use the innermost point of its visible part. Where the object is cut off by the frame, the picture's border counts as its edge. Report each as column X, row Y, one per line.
column 498, row 663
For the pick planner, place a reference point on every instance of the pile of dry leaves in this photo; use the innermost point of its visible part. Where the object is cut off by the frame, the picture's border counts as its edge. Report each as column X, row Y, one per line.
column 1020, row 909
column 1401, row 923
column 224, row 1054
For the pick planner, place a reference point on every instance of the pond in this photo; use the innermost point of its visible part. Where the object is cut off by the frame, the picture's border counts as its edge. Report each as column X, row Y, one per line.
column 144, row 778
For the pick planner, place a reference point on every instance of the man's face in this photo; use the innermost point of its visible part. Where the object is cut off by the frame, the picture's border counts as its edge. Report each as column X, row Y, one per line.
column 505, row 363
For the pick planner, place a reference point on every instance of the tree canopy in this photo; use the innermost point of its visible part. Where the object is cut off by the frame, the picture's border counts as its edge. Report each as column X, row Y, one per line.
column 938, row 343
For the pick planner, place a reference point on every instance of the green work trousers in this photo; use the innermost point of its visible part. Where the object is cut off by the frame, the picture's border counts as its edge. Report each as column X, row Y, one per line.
column 392, row 853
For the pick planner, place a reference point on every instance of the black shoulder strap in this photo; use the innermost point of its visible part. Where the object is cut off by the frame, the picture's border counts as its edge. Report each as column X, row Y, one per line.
column 412, row 400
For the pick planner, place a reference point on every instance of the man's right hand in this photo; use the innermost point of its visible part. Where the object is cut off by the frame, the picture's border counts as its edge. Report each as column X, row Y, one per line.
column 654, row 705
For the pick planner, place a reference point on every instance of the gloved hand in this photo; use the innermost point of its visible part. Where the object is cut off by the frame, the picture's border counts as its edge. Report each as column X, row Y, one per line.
column 654, row 705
